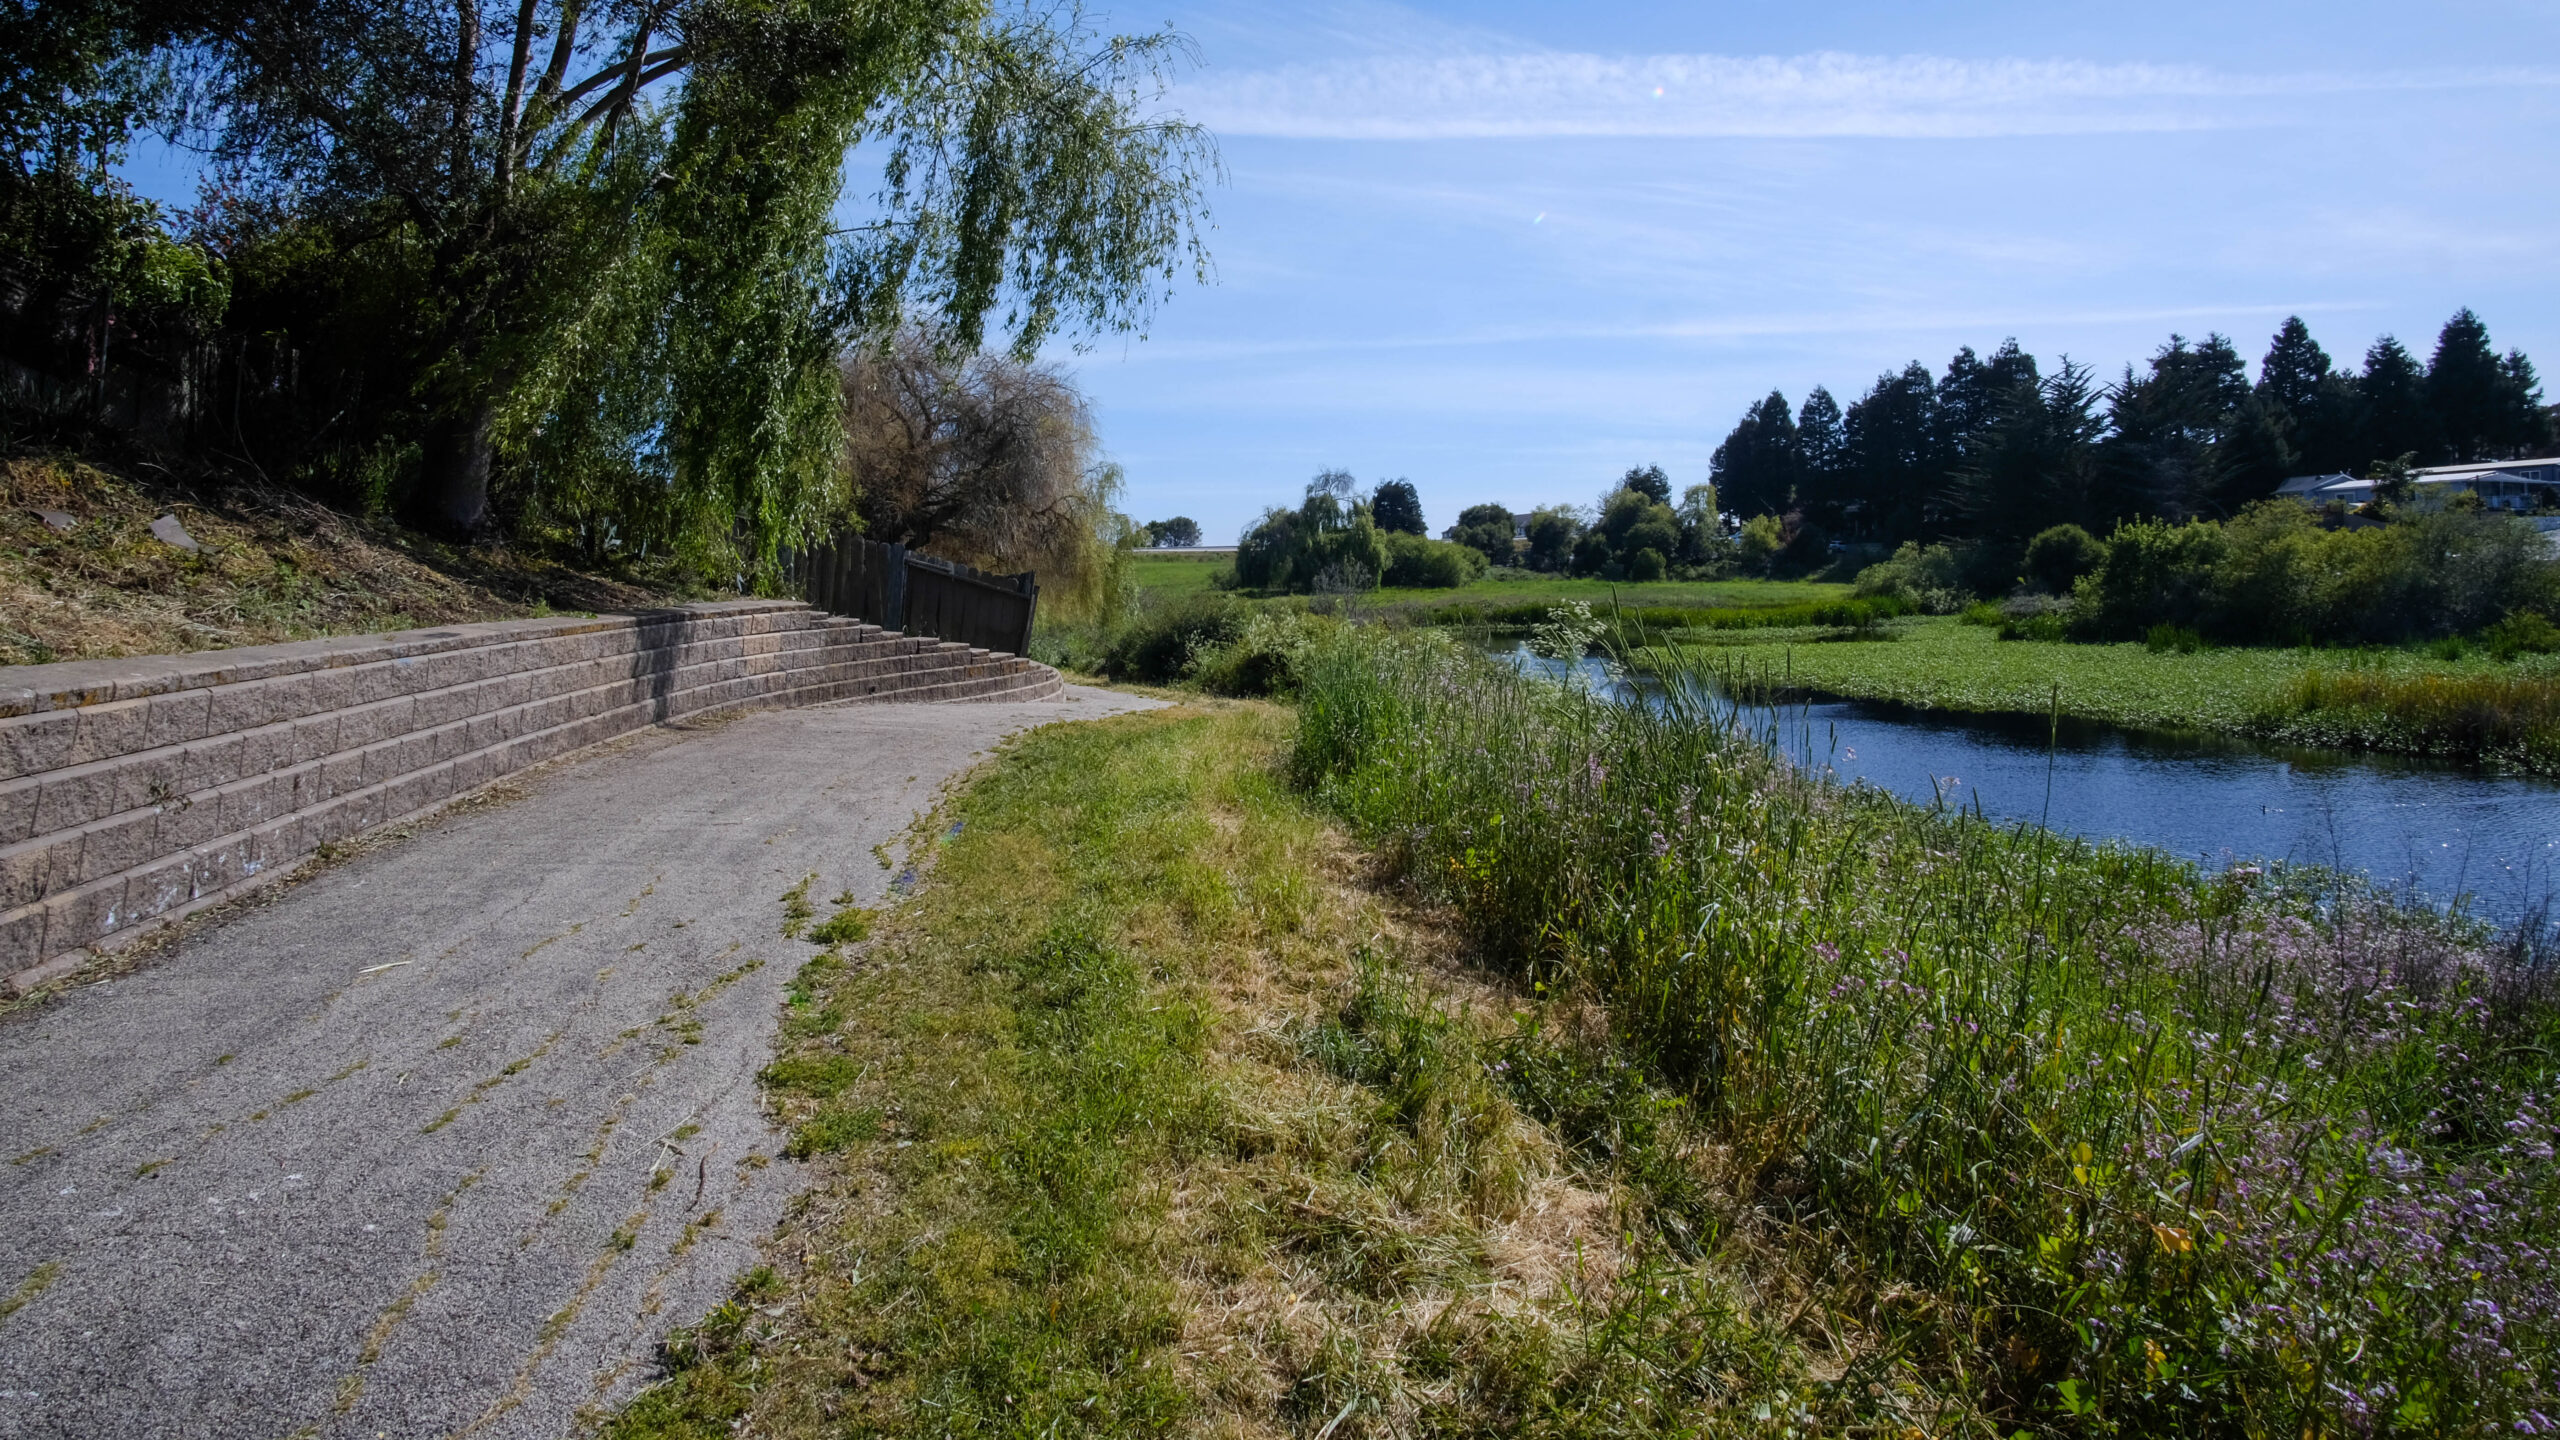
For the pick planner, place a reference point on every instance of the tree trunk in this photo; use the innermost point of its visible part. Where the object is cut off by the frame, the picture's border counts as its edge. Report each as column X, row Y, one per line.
column 453, row 480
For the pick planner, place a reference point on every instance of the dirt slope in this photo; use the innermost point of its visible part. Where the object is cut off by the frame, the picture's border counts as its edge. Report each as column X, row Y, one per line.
column 82, row 575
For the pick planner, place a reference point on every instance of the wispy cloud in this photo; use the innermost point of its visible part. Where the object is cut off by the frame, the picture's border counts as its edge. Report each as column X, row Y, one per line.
column 1550, row 93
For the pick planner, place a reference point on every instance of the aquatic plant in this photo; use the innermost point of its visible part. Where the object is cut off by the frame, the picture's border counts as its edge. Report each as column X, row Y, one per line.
column 2164, row 1150
column 2510, row 720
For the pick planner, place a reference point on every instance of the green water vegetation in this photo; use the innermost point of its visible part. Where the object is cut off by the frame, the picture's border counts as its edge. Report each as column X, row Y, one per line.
column 2470, row 706
column 2428, row 631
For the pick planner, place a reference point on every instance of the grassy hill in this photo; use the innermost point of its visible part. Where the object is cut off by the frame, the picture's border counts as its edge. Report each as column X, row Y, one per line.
column 82, row 576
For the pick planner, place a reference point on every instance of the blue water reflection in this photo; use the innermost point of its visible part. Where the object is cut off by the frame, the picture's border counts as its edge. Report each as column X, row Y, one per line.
column 2438, row 831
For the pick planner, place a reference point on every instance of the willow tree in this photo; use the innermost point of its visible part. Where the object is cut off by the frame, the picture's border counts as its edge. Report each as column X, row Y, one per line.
column 624, row 219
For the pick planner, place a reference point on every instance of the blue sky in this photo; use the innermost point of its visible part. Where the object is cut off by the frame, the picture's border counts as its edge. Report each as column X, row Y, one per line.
column 1472, row 246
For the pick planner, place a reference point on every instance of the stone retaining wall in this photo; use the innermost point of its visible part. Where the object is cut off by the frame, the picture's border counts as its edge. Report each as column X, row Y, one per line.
column 133, row 791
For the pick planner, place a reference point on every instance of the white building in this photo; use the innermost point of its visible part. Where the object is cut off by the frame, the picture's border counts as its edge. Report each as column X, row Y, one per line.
column 2519, row 485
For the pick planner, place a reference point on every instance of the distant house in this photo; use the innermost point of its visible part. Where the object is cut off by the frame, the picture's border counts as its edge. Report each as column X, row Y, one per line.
column 2519, row 485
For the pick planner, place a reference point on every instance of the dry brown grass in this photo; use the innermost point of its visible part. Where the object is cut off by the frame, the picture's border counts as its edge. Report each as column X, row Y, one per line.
column 272, row 567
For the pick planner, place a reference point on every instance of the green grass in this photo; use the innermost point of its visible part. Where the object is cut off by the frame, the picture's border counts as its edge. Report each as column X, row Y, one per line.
column 1504, row 588
column 1944, row 664
column 1148, row 1115
column 2095, row 1143
column 1175, row 576
column 2510, row 720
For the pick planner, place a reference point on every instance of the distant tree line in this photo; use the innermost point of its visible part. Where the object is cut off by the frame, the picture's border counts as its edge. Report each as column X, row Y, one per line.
column 2001, row 448
column 1994, row 465
column 1337, row 540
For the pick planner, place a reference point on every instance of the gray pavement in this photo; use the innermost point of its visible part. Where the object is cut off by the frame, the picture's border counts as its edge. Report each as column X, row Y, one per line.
column 443, row 1140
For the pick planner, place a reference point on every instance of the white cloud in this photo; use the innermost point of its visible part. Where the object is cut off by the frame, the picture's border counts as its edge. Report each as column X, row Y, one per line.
column 1553, row 93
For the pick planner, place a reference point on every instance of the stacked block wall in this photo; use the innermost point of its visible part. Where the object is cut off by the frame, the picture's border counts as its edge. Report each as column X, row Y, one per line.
column 133, row 791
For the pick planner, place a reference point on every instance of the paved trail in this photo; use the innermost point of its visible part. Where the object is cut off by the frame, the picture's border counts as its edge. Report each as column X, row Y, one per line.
column 442, row 1142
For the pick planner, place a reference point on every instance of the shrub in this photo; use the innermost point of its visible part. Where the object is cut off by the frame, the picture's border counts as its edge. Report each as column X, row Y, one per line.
column 2523, row 633
column 1159, row 645
column 1761, row 540
column 1417, row 563
column 1932, row 579
column 1265, row 656
column 1645, row 564
column 2172, row 640
column 2271, row 575
column 2060, row 556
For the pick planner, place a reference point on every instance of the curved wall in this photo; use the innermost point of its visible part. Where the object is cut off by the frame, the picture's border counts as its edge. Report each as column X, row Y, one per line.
column 133, row 791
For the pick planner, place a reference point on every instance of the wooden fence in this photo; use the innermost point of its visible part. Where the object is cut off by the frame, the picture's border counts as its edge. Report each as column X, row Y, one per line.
column 897, row 589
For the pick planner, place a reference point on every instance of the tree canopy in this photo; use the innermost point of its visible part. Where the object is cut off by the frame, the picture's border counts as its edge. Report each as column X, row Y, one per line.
column 590, row 262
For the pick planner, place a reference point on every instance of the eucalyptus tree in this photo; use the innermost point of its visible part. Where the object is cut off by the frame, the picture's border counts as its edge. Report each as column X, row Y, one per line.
column 622, row 219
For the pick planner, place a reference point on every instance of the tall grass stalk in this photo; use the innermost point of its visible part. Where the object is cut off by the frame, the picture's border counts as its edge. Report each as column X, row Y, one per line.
column 2184, row 1152
column 2507, row 720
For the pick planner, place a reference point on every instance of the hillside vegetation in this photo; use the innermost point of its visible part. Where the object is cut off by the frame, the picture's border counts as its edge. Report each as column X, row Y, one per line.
column 270, row 566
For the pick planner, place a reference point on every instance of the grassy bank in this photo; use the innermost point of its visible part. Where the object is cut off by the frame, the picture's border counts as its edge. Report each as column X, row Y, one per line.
column 2132, row 1149
column 269, row 566
column 2385, row 699
column 1152, row 1112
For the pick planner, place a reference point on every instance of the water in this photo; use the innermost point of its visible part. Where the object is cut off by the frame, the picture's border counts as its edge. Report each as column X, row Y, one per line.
column 2437, row 832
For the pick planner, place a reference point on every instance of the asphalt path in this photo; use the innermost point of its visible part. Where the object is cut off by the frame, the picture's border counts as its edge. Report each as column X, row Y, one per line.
column 444, row 1139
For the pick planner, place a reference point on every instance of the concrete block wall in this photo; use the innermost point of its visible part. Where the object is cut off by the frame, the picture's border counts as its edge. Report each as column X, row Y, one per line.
column 133, row 791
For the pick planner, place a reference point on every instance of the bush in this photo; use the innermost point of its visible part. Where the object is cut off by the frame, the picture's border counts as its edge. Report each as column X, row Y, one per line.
column 1159, row 646
column 1932, row 579
column 2059, row 556
column 1417, row 563
column 2271, row 575
column 1266, row 657
column 2523, row 633
column 1646, row 564
column 2172, row 640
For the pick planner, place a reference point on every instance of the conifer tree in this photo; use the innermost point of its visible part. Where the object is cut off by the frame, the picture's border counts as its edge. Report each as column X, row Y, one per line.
column 2465, row 391
column 2294, row 369
column 2313, row 402
column 1755, row 468
column 2525, row 424
column 1898, row 469
column 2252, row 459
column 1822, row 463
column 2028, row 466
column 2391, row 406
column 1397, row 507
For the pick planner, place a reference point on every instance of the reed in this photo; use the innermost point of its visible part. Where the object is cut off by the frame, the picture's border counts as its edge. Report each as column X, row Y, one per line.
column 2166, row 1151
column 2506, row 720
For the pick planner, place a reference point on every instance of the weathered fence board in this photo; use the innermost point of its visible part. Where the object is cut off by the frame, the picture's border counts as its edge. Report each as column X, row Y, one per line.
column 897, row 589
